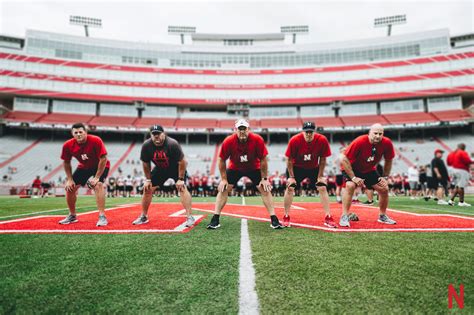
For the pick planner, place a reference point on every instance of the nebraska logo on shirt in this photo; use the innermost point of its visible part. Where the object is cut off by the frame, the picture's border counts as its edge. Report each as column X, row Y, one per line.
column 244, row 158
column 84, row 157
column 307, row 157
column 160, row 159
column 371, row 158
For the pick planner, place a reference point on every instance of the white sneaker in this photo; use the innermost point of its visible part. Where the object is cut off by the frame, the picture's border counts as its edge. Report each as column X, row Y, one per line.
column 442, row 202
column 451, row 203
column 464, row 204
column 190, row 221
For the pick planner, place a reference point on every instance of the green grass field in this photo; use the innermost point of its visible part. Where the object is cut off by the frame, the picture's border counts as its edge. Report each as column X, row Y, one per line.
column 297, row 270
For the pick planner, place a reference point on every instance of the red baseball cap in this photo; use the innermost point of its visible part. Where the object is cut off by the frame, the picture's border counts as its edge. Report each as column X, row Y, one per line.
column 438, row 151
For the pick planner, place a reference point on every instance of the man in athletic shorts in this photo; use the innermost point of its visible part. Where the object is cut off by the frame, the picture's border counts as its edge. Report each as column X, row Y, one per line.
column 360, row 168
column 460, row 163
column 90, row 151
column 306, row 158
column 248, row 157
column 167, row 155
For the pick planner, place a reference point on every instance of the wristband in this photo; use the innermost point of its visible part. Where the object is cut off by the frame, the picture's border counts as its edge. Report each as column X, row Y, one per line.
column 292, row 177
column 148, row 180
column 265, row 178
column 352, row 179
column 181, row 178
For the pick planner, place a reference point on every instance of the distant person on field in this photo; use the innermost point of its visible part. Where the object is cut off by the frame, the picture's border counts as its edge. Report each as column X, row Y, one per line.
column 460, row 163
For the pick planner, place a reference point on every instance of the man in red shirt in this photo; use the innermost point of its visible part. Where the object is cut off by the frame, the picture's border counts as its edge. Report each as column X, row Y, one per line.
column 90, row 151
column 306, row 158
column 460, row 162
column 36, row 186
column 360, row 168
column 248, row 157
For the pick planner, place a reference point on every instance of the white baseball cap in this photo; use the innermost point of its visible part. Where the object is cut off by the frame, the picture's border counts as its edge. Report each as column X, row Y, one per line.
column 242, row 122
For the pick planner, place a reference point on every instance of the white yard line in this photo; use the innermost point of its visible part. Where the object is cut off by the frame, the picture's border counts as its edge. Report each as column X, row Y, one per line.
column 248, row 299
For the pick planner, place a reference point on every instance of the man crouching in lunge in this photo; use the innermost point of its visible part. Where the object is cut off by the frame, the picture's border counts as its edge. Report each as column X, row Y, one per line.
column 167, row 155
column 360, row 168
column 248, row 157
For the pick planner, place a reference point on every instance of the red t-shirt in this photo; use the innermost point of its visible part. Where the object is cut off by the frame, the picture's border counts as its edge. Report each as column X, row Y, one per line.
column 459, row 159
column 306, row 155
column 360, row 153
column 88, row 153
column 37, row 183
column 243, row 156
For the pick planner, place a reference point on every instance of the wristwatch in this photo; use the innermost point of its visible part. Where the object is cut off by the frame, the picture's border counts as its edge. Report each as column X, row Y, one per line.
column 148, row 180
column 265, row 178
column 181, row 178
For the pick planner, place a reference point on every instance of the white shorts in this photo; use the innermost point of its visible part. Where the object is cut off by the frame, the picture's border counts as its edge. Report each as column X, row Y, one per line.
column 461, row 178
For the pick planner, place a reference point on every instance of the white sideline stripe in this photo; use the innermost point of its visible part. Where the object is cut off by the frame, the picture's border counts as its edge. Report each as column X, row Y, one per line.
column 54, row 210
column 98, row 231
column 248, row 299
column 295, row 207
column 243, row 200
column 342, row 230
column 457, row 212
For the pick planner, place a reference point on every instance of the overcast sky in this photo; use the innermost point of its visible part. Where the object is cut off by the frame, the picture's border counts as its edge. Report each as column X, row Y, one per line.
column 148, row 20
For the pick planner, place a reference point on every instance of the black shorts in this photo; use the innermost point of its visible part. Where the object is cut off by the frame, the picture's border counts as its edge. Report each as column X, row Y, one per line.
column 82, row 175
column 302, row 173
column 233, row 176
column 339, row 180
column 159, row 176
column 443, row 182
column 371, row 178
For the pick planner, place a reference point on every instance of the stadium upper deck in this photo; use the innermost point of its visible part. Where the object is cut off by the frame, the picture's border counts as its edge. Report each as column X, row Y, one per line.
column 218, row 70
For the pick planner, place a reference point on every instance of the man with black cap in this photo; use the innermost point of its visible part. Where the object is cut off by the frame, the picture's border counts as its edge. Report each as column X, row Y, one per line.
column 167, row 155
column 248, row 157
column 306, row 158
column 440, row 176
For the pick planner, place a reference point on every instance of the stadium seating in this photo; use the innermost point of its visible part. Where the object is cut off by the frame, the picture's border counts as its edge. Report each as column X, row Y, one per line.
column 280, row 123
column 146, row 122
column 61, row 118
column 410, row 118
column 452, row 115
column 363, row 120
column 19, row 116
column 113, row 121
column 196, row 123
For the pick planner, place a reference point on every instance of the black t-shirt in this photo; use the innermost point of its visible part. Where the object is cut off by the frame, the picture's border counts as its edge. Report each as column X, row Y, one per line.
column 164, row 157
column 439, row 164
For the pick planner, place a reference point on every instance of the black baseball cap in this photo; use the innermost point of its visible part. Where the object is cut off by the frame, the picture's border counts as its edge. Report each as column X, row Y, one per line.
column 156, row 129
column 309, row 125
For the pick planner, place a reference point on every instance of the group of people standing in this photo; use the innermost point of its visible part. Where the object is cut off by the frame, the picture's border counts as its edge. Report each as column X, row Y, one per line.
column 246, row 151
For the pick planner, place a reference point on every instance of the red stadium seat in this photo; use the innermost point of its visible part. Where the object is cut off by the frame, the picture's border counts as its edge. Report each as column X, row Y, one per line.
column 113, row 121
column 364, row 120
column 20, row 116
column 410, row 118
column 452, row 115
column 189, row 123
column 61, row 118
column 146, row 122
column 326, row 121
column 280, row 123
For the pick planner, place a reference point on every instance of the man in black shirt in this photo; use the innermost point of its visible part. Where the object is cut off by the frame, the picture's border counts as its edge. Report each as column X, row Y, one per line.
column 168, row 157
column 440, row 176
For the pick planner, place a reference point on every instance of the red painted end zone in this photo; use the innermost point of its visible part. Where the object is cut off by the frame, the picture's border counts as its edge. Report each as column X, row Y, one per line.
column 164, row 218
column 170, row 218
column 311, row 215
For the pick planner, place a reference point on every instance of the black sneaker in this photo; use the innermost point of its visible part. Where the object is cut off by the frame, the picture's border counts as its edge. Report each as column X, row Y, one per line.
column 275, row 223
column 214, row 223
column 369, row 202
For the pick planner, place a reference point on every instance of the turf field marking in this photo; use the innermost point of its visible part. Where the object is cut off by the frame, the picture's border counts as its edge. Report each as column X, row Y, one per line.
column 317, row 227
column 54, row 210
column 177, row 230
column 243, row 200
column 248, row 299
column 433, row 209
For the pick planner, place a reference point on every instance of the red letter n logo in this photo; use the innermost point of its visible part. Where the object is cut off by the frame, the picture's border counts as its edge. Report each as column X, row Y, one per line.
column 459, row 298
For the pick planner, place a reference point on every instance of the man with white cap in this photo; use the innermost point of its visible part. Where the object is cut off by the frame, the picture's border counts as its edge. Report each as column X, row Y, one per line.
column 360, row 168
column 248, row 157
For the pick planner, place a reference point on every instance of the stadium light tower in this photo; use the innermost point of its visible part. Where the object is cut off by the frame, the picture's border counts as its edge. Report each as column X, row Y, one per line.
column 85, row 21
column 181, row 30
column 293, row 30
column 389, row 21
